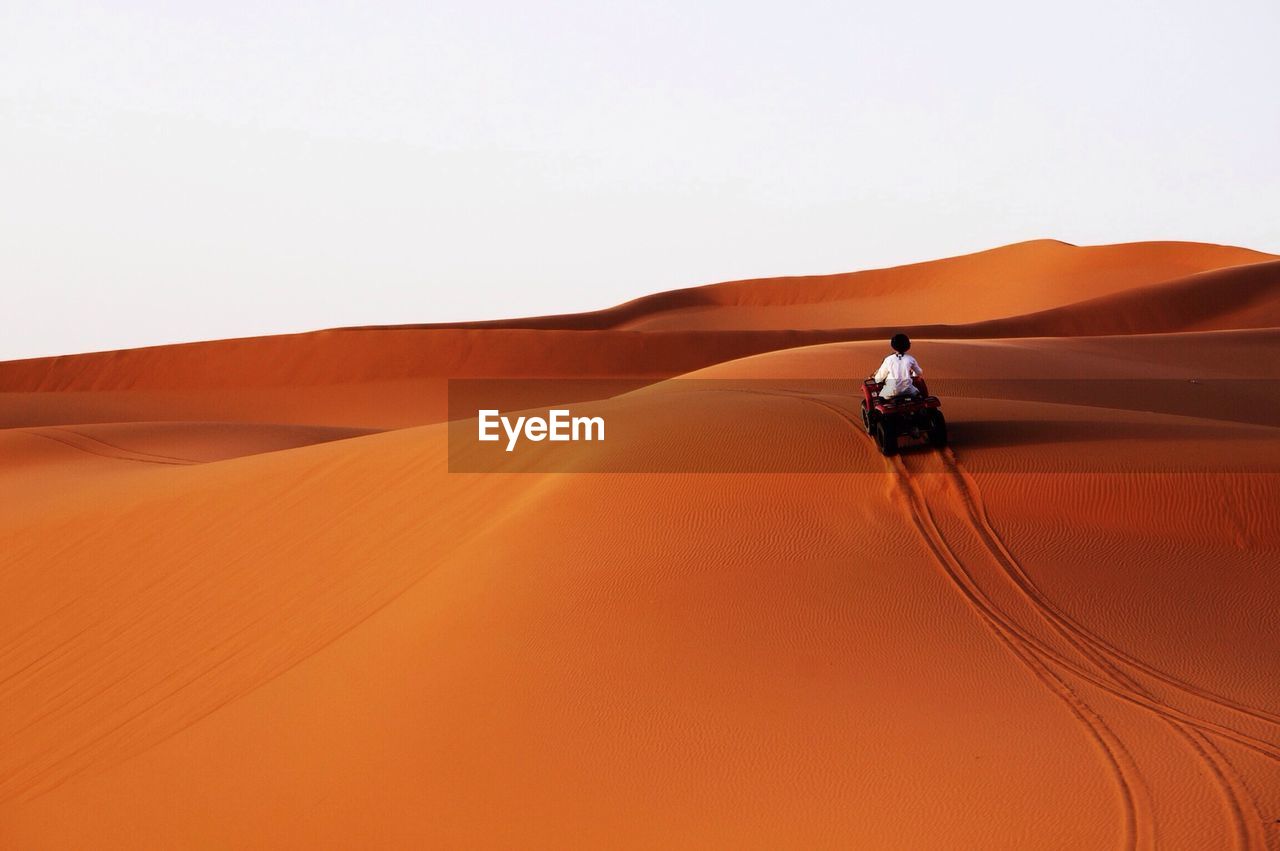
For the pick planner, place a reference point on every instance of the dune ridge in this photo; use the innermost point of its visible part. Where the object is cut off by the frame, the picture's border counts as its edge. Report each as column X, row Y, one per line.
column 1235, row 296
column 1031, row 275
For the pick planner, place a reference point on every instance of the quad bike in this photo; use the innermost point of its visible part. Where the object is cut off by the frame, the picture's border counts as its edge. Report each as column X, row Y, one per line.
column 916, row 416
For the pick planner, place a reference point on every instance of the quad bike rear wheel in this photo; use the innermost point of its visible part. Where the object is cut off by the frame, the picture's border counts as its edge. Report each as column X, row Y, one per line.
column 937, row 429
column 886, row 437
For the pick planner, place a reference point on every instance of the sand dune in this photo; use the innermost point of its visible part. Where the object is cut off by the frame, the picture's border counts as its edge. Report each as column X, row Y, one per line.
column 1015, row 279
column 233, row 616
column 397, row 376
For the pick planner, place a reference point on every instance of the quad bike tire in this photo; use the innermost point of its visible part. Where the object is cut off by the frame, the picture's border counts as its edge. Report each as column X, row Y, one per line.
column 886, row 437
column 937, row 429
column 866, row 419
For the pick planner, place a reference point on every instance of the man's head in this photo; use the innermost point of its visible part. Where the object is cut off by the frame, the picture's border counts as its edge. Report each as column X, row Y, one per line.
column 900, row 343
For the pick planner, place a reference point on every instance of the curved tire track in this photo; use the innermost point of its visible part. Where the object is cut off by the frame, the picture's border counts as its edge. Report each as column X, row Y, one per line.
column 1194, row 731
column 1248, row 832
column 1132, row 788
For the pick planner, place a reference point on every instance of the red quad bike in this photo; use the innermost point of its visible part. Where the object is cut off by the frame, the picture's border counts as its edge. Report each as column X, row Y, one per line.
column 911, row 416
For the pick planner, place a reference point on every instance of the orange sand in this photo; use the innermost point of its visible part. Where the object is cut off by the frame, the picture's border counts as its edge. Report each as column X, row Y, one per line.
column 243, row 604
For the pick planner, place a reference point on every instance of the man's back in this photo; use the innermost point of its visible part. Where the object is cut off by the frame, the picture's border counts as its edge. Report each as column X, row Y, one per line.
column 897, row 372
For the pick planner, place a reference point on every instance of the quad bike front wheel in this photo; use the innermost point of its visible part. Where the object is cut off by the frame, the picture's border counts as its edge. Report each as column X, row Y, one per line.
column 866, row 419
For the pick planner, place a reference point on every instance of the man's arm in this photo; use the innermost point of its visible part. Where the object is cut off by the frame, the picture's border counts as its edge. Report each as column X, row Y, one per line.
column 882, row 373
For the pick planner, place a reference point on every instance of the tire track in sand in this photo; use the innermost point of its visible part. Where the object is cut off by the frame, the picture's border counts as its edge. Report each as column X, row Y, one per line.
column 1134, row 791
column 1105, row 671
column 1248, row 829
column 1263, row 747
column 93, row 446
column 1132, row 788
column 968, row 488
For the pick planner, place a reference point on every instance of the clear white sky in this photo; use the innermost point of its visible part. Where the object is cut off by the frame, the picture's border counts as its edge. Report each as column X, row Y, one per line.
column 190, row 170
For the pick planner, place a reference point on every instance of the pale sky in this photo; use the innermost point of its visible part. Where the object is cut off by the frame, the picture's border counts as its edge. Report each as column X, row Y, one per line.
column 186, row 171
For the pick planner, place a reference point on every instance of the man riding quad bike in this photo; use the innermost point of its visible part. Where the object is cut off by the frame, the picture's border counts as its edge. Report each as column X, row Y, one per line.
column 896, row 402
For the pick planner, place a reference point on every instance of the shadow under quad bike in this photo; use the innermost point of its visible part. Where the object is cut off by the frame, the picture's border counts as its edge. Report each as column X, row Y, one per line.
column 917, row 416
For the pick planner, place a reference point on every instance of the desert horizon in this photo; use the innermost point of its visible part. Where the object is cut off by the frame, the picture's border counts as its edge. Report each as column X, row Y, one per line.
column 263, row 592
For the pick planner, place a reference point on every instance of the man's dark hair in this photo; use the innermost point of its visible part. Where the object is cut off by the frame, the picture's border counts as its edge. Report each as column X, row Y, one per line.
column 900, row 343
